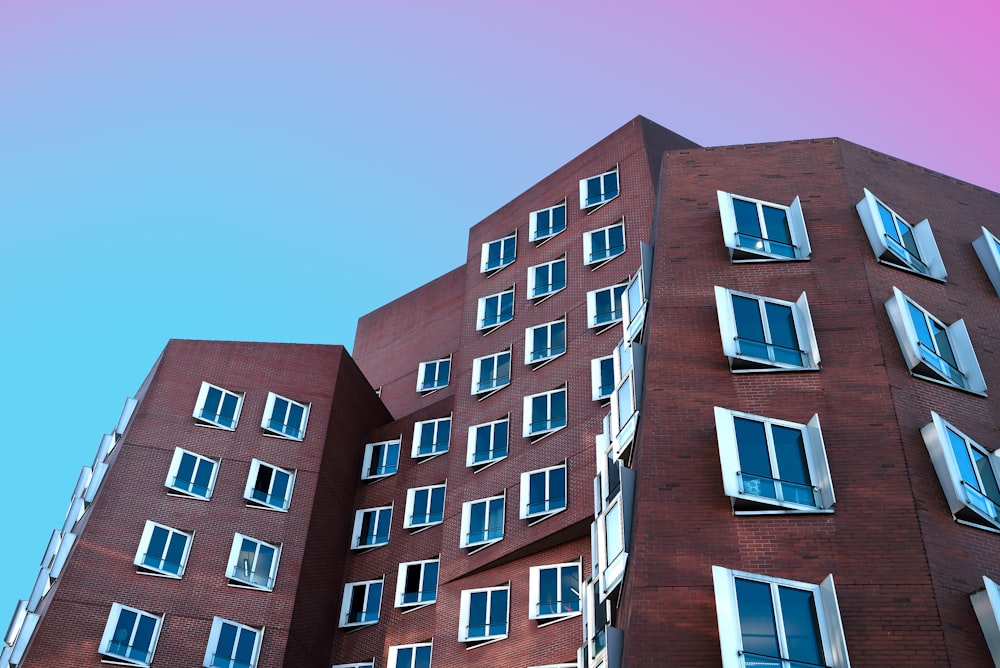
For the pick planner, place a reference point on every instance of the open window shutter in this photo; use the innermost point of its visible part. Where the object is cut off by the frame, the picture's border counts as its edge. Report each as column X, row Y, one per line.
column 831, row 611
column 729, row 454
column 821, row 466
column 797, row 227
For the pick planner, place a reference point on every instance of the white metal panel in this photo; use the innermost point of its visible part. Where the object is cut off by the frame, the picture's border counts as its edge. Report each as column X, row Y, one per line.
column 821, row 466
column 929, row 253
column 986, row 248
column 831, row 611
column 965, row 354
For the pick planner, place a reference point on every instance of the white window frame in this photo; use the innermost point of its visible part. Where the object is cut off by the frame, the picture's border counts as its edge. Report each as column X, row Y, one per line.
column 496, row 383
column 889, row 251
column 987, row 247
column 762, row 250
column 280, row 426
column 174, row 469
column 465, row 610
column 827, row 614
column 551, row 352
column 529, row 431
column 359, row 515
column 484, row 267
column 411, row 496
column 538, row 293
column 394, row 651
column 744, row 501
column 601, row 391
column 109, row 635
column 214, row 419
column 501, row 297
column 423, row 598
column 968, row 506
column 536, row 516
column 922, row 362
column 986, row 603
column 745, row 363
column 213, row 643
column 602, row 642
column 427, row 386
column 533, row 233
column 383, row 448
column 249, row 581
column 534, row 593
column 470, row 458
column 588, row 245
column 636, row 297
column 617, row 315
column 249, row 492
column 146, row 538
column 369, row 599
column 467, row 510
column 611, row 567
column 606, row 195
column 441, row 430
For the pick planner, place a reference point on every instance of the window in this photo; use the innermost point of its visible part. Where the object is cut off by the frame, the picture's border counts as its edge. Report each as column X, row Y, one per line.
column 491, row 373
column 603, row 245
column 986, row 603
column 758, row 231
column 599, row 189
column 361, row 603
column 482, row 522
column 431, row 437
column 217, row 407
column 627, row 396
column 602, row 642
column 162, row 550
column 483, row 616
column 487, row 443
column 424, row 506
column 543, row 493
column 284, row 417
column 252, row 563
column 761, row 334
column 432, row 376
column 495, row 310
column 771, row 465
column 610, row 533
column 371, row 528
column 934, row 351
column 554, row 591
column 544, row 342
column 130, row 635
column 498, row 254
column 544, row 280
column 232, row 645
column 602, row 373
column 544, row 413
column 410, row 656
column 774, row 623
column 604, row 307
column 416, row 585
column 968, row 473
column 268, row 486
column 191, row 474
column 899, row 244
column 547, row 223
column 381, row 460
column 987, row 247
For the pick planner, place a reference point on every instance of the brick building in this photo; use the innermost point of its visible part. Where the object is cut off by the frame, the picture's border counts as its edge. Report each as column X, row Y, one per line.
column 681, row 406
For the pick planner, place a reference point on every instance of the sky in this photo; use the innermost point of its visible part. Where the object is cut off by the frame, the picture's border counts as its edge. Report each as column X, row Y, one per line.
column 272, row 171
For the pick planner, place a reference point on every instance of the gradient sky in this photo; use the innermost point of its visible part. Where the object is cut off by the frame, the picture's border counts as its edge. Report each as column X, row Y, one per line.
column 272, row 171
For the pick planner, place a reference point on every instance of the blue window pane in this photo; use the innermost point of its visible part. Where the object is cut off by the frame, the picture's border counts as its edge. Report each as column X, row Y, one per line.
column 756, row 613
column 122, row 637
column 143, row 639
column 798, row 613
column 429, row 584
column 175, row 553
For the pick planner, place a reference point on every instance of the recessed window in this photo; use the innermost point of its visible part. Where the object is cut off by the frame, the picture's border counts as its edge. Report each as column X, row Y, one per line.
column 599, row 189
column 636, row 296
column 765, row 621
column 431, row 438
column 763, row 334
column 191, row 474
column 163, row 550
column 611, row 529
column 433, row 375
column 773, row 466
column 381, row 460
column 498, row 254
column 968, row 473
column 416, row 584
column 410, row 656
column 899, row 244
column 284, row 417
column 252, row 563
column 495, row 310
column 986, row 603
column 543, row 493
column 217, row 407
column 627, row 395
column 130, row 635
column 544, row 280
column 988, row 249
column 544, row 343
column 482, row 522
column 604, row 307
column 232, row 645
column 371, row 528
column 935, row 351
column 603, row 642
column 268, row 486
column 601, row 246
column 360, row 606
column 544, row 413
column 491, row 373
column 547, row 223
column 424, row 507
column 554, row 591
column 602, row 373
column 759, row 231
column 488, row 443
column 483, row 615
